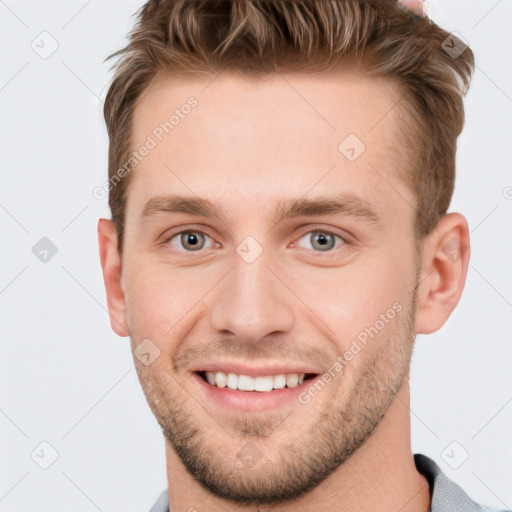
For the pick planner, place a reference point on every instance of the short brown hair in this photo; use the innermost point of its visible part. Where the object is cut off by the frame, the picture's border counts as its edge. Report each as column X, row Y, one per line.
column 259, row 37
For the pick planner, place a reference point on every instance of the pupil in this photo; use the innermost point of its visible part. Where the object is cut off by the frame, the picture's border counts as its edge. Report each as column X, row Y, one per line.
column 323, row 240
column 192, row 240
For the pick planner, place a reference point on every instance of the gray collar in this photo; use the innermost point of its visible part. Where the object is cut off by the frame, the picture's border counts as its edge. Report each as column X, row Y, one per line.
column 447, row 496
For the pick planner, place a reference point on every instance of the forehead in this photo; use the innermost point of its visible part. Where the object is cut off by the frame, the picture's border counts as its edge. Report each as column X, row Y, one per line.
column 233, row 138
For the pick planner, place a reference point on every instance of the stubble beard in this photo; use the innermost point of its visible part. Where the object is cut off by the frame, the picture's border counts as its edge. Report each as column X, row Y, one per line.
column 308, row 457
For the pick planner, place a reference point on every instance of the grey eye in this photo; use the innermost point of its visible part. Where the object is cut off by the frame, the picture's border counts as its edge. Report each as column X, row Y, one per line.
column 322, row 241
column 192, row 240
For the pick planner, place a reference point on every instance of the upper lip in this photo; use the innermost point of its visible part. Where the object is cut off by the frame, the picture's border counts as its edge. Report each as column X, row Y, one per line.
column 256, row 369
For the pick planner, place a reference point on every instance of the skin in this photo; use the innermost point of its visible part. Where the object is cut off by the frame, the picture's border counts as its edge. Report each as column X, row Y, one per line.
column 246, row 146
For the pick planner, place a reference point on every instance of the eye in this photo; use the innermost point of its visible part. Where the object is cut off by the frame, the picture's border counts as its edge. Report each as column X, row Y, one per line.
column 321, row 240
column 189, row 241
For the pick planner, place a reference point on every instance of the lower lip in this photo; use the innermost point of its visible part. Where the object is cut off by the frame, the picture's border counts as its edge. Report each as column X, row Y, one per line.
column 245, row 401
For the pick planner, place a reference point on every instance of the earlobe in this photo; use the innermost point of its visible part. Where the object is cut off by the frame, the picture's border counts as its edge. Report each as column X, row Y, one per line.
column 445, row 261
column 111, row 265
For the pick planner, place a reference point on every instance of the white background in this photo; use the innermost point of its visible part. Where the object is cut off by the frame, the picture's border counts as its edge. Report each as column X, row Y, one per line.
column 67, row 379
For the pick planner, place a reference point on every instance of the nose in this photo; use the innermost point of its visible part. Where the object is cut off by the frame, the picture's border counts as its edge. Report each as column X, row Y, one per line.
column 252, row 302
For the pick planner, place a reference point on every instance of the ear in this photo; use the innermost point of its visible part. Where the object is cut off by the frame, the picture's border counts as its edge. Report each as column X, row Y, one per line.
column 111, row 265
column 445, row 260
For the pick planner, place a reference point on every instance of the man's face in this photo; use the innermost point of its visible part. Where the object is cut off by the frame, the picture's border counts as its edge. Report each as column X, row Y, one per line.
column 250, row 293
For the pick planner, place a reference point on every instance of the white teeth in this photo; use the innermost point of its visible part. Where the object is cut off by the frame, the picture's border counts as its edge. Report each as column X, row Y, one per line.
column 263, row 383
column 220, row 379
column 279, row 381
column 232, row 381
column 292, row 380
column 245, row 383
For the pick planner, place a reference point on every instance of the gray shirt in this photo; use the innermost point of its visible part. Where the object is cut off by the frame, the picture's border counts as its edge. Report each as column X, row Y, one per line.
column 447, row 496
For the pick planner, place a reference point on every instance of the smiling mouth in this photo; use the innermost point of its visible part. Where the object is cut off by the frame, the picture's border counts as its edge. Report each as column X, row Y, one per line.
column 264, row 383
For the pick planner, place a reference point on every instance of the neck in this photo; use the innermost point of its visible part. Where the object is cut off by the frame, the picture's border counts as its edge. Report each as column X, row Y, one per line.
column 379, row 476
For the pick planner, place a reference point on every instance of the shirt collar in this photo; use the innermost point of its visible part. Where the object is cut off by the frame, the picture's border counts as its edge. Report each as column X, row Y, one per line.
column 446, row 494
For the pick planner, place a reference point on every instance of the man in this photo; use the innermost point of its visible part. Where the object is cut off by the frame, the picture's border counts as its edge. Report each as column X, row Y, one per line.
column 306, row 152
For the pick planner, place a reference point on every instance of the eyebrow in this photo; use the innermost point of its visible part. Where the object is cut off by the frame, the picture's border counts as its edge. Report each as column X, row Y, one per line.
column 347, row 204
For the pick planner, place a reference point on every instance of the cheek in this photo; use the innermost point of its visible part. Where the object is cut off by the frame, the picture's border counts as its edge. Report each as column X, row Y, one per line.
column 161, row 300
column 352, row 297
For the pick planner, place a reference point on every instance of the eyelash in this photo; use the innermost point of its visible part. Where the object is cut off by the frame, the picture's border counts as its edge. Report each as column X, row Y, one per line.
column 167, row 240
